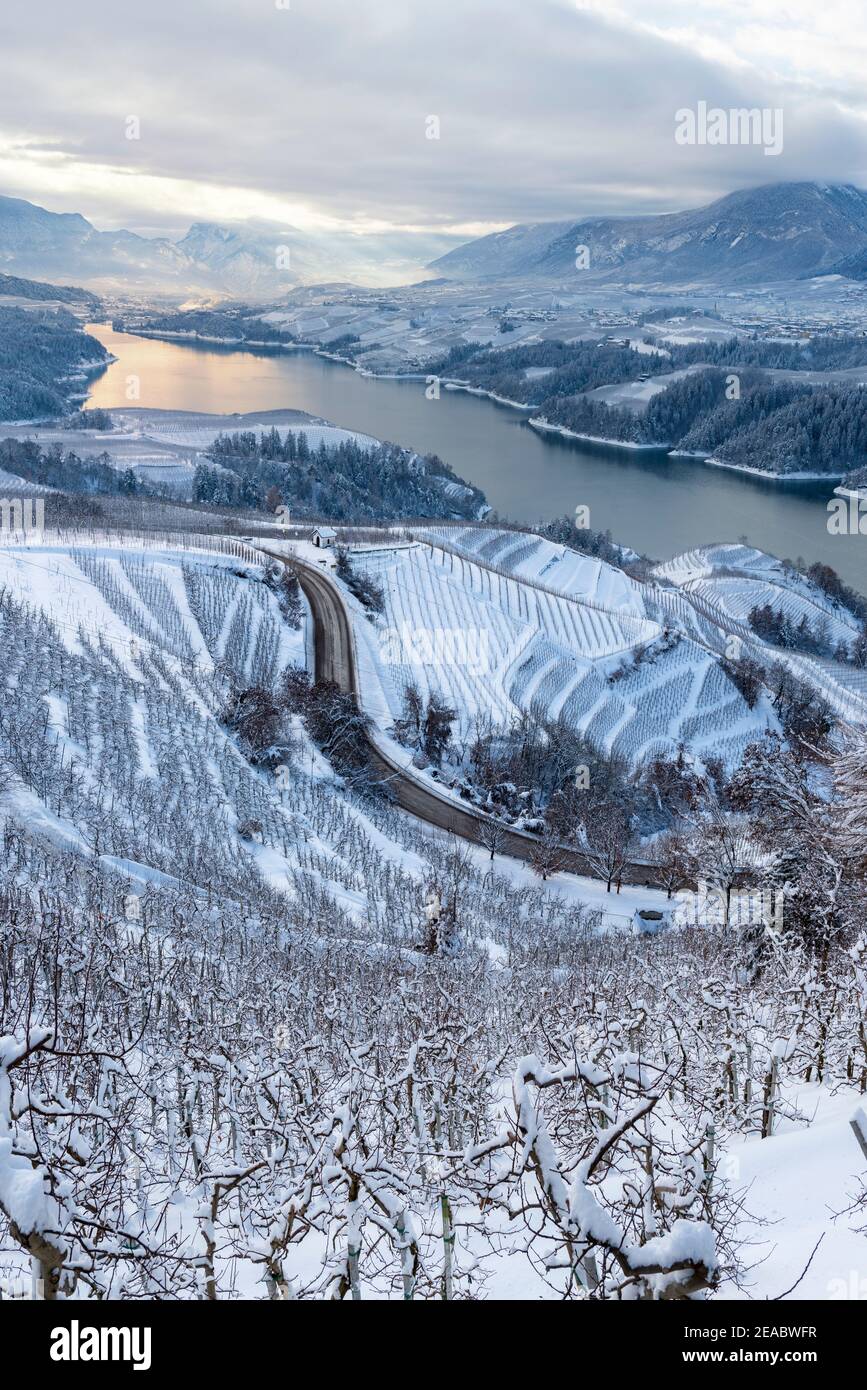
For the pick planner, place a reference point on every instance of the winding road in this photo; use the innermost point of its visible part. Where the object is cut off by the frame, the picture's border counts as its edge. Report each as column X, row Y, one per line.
column 335, row 660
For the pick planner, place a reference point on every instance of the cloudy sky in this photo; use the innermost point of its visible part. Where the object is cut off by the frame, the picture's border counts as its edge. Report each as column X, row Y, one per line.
column 315, row 111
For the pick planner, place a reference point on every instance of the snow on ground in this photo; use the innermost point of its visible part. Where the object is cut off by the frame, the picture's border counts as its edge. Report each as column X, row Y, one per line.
column 494, row 646
column 195, row 430
column 186, row 606
column 634, row 395
column 799, row 1183
column 733, row 578
column 139, row 776
column 165, row 446
column 13, row 483
column 195, row 436
column 24, row 806
column 534, row 558
column 48, row 578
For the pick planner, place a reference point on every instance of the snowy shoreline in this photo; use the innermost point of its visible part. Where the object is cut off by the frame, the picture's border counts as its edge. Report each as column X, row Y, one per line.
column 546, row 427
column 448, row 383
column 537, row 423
column 808, row 476
column 171, row 336
column 480, row 391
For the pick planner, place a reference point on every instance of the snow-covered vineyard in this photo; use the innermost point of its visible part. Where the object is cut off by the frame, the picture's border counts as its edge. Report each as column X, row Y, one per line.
column 502, row 622
column 262, row 1035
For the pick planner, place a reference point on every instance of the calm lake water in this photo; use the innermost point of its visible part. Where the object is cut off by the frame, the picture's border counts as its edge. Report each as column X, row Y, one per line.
column 656, row 504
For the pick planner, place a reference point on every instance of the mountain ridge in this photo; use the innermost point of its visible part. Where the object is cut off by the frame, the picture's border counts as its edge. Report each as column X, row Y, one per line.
column 256, row 259
column 773, row 232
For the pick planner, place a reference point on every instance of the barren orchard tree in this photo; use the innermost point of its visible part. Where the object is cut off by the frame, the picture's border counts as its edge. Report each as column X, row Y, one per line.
column 607, row 840
column 547, row 856
column 672, row 860
column 850, row 777
column 718, row 849
column 813, row 852
column 608, row 1205
column 493, row 835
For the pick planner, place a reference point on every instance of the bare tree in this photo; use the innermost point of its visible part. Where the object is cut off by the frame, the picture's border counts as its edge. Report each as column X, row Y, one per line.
column 493, row 834
column 672, row 859
column 548, row 855
column 607, row 840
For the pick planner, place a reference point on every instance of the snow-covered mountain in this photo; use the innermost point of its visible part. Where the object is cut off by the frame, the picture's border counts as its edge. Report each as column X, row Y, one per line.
column 260, row 259
column 776, row 232
column 66, row 246
column 253, row 260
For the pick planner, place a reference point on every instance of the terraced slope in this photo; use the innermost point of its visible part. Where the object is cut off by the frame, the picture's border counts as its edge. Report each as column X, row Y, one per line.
column 490, row 636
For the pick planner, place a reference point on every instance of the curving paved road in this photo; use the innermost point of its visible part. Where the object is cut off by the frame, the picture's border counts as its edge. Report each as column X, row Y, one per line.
column 335, row 660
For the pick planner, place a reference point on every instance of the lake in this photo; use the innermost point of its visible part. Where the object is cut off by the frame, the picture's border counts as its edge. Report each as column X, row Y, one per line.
column 656, row 504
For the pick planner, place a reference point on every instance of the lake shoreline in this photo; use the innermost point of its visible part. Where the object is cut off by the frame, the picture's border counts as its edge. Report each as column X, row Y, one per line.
column 540, row 424
column 633, row 445
column 651, row 502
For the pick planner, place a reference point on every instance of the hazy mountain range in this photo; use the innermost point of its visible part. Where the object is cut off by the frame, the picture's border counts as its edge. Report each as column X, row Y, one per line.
column 777, row 232
column 255, row 260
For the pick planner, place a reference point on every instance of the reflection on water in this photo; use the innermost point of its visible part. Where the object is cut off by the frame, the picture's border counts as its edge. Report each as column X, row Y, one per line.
column 656, row 504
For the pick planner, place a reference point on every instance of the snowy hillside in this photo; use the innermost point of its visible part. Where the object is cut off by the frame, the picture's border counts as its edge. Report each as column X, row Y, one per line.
column 112, row 655
column 755, row 235
column 731, row 580
column 582, row 650
column 265, row 1036
column 532, row 557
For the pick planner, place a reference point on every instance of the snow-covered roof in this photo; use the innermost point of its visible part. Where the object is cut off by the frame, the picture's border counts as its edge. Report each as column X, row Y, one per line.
column 326, row 531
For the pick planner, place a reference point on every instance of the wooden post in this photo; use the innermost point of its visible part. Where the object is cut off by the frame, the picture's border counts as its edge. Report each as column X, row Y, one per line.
column 709, row 1153
column 859, row 1129
column 768, row 1101
column 405, row 1259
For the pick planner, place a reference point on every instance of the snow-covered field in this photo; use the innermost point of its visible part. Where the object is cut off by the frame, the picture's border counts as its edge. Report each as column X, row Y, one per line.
column 798, row 1185
column 502, row 622
column 189, row 603
column 189, row 430
column 635, row 395
column 164, row 446
column 138, row 637
column 739, row 577
column 733, row 579
column 560, row 569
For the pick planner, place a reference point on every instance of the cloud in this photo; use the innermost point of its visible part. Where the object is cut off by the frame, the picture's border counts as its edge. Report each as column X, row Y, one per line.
column 317, row 114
